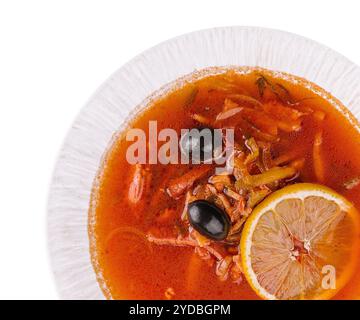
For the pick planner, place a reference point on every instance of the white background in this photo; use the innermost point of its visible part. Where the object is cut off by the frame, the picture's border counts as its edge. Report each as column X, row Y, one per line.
column 53, row 56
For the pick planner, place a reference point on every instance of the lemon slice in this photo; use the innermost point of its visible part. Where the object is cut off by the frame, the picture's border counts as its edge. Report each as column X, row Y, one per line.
column 300, row 243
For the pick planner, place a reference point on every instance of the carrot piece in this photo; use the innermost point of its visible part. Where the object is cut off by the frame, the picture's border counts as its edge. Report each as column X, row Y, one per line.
column 319, row 169
column 282, row 112
column 226, row 114
column 288, row 119
column 229, row 104
column 178, row 186
column 289, row 126
column 260, row 135
column 261, row 121
column 286, row 157
column 202, row 119
column 232, row 194
column 221, row 179
column 245, row 100
column 298, row 164
column 224, row 83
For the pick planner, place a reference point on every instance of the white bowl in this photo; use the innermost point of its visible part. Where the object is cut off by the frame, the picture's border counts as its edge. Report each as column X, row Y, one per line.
column 127, row 91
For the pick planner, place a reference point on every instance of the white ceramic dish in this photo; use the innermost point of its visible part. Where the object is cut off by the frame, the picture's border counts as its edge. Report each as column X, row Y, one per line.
column 127, row 91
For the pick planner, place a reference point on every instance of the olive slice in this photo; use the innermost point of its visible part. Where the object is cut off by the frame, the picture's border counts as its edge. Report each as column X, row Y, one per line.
column 199, row 144
column 209, row 220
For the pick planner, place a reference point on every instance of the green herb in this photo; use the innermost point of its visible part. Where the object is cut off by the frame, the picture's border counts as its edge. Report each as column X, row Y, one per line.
column 261, row 84
column 277, row 89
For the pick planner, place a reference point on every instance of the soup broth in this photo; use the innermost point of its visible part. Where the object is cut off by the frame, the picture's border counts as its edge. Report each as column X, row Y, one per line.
column 136, row 208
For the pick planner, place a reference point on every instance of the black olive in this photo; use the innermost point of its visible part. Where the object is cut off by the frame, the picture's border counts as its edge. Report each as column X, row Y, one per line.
column 208, row 219
column 199, row 144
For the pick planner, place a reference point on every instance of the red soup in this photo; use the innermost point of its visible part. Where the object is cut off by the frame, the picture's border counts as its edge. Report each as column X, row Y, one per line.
column 145, row 242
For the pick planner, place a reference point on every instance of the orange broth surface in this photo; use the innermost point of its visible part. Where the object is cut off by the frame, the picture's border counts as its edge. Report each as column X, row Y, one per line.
column 129, row 267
